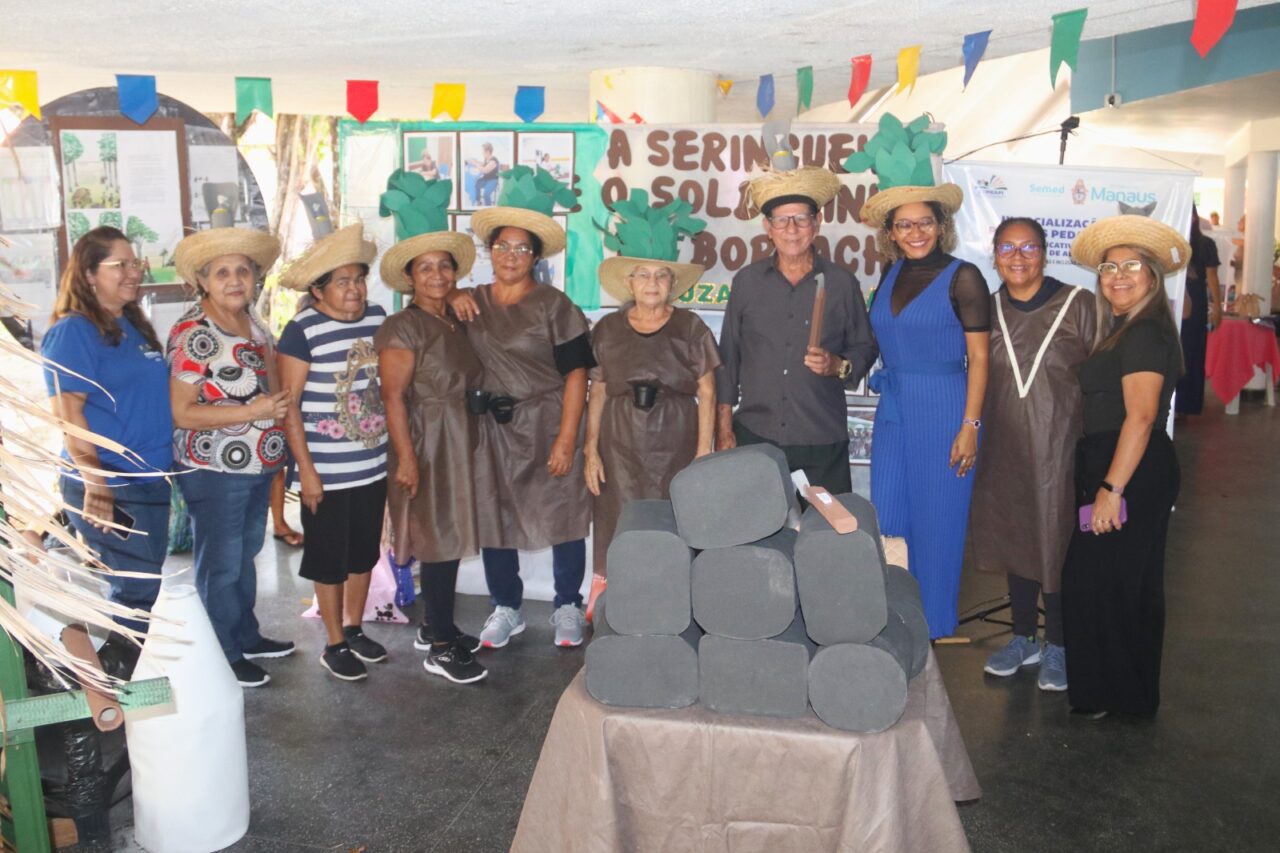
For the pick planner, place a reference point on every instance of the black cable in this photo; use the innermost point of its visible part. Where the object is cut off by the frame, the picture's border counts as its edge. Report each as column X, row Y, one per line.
column 1004, row 141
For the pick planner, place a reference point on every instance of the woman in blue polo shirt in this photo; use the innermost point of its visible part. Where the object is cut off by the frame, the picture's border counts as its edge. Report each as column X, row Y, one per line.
column 109, row 376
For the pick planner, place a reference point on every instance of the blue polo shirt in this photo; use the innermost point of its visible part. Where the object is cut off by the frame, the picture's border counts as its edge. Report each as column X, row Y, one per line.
column 126, row 388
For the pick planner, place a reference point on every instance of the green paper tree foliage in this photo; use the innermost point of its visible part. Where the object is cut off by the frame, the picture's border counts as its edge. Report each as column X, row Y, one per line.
column 899, row 154
column 534, row 189
column 418, row 205
column 643, row 231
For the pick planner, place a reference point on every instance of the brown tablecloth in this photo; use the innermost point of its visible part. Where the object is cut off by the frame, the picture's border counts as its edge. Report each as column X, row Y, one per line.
column 693, row 780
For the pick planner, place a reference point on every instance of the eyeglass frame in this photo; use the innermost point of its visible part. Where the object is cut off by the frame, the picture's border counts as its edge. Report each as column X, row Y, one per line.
column 810, row 220
column 1012, row 249
column 903, row 227
column 635, row 275
column 136, row 264
column 1127, row 266
column 502, row 247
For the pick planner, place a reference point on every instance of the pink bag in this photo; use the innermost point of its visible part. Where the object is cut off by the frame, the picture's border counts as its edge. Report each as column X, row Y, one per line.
column 380, row 606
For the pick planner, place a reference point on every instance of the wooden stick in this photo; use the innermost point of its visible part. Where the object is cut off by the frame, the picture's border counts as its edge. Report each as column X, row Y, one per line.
column 819, row 306
column 105, row 710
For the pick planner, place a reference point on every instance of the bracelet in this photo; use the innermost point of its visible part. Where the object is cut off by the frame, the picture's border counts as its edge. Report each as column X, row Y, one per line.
column 1117, row 491
column 973, row 422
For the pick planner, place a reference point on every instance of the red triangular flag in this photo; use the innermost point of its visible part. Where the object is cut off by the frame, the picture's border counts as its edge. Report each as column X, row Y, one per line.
column 613, row 117
column 1213, row 19
column 861, row 74
column 362, row 99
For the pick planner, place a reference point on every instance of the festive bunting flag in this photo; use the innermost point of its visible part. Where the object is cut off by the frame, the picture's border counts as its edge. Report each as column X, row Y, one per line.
column 530, row 103
column 804, row 88
column 448, row 98
column 253, row 93
column 764, row 95
column 725, row 86
column 137, row 96
column 636, row 118
column 362, row 99
column 1065, row 45
column 975, row 44
column 603, row 112
column 858, row 80
column 908, row 67
column 1213, row 19
column 19, row 87
column 608, row 82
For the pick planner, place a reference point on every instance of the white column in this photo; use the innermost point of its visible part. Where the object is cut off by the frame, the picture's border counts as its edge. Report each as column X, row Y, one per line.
column 1233, row 196
column 655, row 95
column 1259, row 239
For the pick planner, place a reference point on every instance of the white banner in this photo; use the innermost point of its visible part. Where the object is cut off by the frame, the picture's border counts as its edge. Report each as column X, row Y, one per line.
column 1063, row 199
column 708, row 166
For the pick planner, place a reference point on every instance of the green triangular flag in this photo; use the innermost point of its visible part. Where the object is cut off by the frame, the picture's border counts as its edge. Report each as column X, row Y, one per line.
column 253, row 93
column 1065, row 46
column 804, row 88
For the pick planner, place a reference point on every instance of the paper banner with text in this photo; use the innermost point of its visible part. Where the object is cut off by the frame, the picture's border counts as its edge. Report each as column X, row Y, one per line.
column 137, row 95
column 20, row 88
column 858, row 78
column 1213, row 19
column 253, row 93
column 708, row 166
column 448, row 98
column 530, row 102
column 908, row 67
column 1064, row 48
column 362, row 99
column 975, row 44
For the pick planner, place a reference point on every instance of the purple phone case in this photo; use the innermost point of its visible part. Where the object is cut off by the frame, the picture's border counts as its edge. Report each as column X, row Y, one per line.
column 1086, row 516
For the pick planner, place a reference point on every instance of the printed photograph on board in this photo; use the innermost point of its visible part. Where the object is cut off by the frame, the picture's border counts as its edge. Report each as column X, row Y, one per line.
column 862, row 422
column 434, row 156
column 485, row 155
column 553, row 152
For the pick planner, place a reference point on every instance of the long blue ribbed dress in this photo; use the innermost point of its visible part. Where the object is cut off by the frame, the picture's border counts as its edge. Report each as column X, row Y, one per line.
column 922, row 386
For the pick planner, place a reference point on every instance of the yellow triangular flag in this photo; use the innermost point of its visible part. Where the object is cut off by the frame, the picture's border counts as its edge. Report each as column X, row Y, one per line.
column 608, row 82
column 908, row 67
column 19, row 87
column 448, row 98
column 725, row 86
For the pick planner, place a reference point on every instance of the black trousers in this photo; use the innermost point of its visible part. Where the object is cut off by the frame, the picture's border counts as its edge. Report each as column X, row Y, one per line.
column 1024, row 596
column 1113, row 583
column 825, row 465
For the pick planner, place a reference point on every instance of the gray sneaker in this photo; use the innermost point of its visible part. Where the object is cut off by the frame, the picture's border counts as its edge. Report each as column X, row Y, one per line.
column 569, row 621
column 503, row 624
column 1021, row 651
column 1053, row 669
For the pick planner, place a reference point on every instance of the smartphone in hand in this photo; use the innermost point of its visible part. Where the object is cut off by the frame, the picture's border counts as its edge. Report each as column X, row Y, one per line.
column 124, row 519
column 1086, row 516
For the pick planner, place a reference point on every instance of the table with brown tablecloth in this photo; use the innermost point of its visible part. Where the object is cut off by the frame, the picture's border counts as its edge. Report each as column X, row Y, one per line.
column 694, row 780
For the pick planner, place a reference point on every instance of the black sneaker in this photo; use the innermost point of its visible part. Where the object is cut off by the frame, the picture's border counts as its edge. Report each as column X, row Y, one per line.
column 425, row 638
column 342, row 663
column 455, row 663
column 265, row 648
column 249, row 674
column 362, row 647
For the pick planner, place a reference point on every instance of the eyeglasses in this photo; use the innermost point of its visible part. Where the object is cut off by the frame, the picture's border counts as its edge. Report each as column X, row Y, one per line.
column 660, row 277
column 924, row 226
column 803, row 221
column 1110, row 269
column 518, row 248
column 1027, row 250
column 124, row 266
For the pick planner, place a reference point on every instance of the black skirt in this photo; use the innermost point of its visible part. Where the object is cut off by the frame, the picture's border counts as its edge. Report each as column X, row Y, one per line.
column 1113, row 583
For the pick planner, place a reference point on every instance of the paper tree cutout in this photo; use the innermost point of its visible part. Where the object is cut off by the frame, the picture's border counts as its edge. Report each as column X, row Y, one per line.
column 536, row 190
column 417, row 204
column 898, row 154
column 643, row 231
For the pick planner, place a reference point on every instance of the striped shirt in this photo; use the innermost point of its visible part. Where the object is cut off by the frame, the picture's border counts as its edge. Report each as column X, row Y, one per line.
column 342, row 414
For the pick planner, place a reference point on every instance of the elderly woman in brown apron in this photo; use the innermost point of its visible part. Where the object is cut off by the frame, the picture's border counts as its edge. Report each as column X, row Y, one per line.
column 438, row 460
column 652, row 403
column 533, row 343
column 1020, row 521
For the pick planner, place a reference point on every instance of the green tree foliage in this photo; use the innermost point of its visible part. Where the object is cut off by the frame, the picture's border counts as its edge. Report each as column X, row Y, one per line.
column 77, row 226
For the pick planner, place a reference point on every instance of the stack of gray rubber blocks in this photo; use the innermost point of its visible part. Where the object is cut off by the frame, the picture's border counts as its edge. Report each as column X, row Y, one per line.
column 727, row 595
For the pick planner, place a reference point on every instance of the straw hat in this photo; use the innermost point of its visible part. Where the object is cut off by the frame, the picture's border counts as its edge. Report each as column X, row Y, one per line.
column 613, row 274
column 459, row 246
column 888, row 200
column 196, row 250
column 342, row 247
column 807, row 182
column 485, row 222
column 1141, row 232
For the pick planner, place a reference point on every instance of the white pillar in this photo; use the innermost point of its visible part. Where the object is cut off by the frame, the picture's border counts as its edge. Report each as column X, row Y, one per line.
column 1233, row 196
column 1259, row 239
column 655, row 95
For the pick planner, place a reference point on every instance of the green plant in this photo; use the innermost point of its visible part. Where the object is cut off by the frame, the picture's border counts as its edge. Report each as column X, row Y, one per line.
column 643, row 231
column 536, row 190
column 900, row 155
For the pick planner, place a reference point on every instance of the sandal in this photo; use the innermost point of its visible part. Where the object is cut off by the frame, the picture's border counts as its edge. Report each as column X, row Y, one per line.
column 292, row 538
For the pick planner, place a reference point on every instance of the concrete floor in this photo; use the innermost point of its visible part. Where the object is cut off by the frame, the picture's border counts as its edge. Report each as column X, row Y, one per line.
column 408, row 762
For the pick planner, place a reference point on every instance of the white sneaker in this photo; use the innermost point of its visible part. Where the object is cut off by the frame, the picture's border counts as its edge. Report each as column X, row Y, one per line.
column 503, row 624
column 569, row 621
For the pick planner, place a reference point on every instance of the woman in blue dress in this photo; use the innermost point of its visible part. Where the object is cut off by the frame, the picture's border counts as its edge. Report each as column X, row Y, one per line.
column 932, row 318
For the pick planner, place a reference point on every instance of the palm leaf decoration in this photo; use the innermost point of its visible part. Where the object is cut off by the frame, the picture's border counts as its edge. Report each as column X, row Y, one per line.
column 900, row 155
column 418, row 205
column 643, row 231
column 534, row 189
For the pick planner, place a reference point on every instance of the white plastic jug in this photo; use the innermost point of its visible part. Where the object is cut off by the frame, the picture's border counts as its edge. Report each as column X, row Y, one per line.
column 190, row 768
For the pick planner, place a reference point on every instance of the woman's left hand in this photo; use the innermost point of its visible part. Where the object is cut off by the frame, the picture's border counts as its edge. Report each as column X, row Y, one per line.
column 561, row 460
column 1106, row 511
column 964, row 450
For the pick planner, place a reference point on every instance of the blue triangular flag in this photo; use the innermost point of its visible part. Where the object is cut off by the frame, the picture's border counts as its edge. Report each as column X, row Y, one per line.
column 764, row 95
column 530, row 102
column 137, row 93
column 975, row 44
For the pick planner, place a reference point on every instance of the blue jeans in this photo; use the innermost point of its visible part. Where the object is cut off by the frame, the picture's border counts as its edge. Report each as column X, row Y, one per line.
column 147, row 500
column 502, row 573
column 229, row 520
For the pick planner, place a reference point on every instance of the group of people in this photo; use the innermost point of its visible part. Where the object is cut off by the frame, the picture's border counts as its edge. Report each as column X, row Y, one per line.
column 493, row 420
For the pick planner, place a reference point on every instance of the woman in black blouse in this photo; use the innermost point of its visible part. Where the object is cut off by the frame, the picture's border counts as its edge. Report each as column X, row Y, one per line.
column 1126, row 471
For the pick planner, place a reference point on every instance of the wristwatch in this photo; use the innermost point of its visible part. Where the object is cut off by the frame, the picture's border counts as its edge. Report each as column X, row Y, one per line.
column 1117, row 491
column 973, row 422
column 846, row 368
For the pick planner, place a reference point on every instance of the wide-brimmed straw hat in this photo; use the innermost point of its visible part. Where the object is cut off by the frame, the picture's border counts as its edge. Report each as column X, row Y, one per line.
column 886, row 201
column 196, row 250
column 645, row 234
column 342, row 247
column 613, row 274
column 1155, row 238
column 459, row 246
column 527, row 199
column 490, row 219
column 812, row 183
